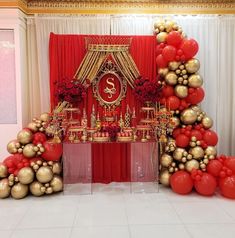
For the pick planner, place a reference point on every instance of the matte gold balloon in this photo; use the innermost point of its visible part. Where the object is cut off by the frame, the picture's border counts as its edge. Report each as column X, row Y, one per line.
column 181, row 91
column 191, row 164
column 44, row 174
column 164, row 177
column 3, row 171
column 56, row 168
column 35, row 188
column 192, row 66
column 195, row 81
column 25, row 136
column 56, row 184
column 11, row 146
column 211, row 150
column 28, row 150
column 173, row 65
column 163, row 71
column 5, row 189
column 175, row 121
column 19, row 191
column 32, row 126
column 178, row 154
column 166, row 160
column 161, row 37
column 207, row 122
column 45, row 117
column 171, row 78
column 197, row 152
column 26, row 175
column 188, row 116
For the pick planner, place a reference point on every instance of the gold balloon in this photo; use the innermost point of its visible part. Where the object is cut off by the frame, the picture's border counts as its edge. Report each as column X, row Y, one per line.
column 191, row 164
column 173, row 65
column 195, row 81
column 44, row 174
column 164, row 177
column 178, row 154
column 5, row 189
column 45, row 117
column 211, row 150
column 175, row 121
column 32, row 126
column 56, row 184
column 28, row 151
column 25, row 136
column 188, row 116
column 3, row 171
column 11, row 146
column 158, row 23
column 192, row 66
column 169, row 25
column 26, row 175
column 163, row 71
column 35, row 188
column 207, row 122
column 171, row 78
column 166, row 160
column 161, row 37
column 197, row 152
column 56, row 168
column 197, row 109
column 19, row 191
column 181, row 91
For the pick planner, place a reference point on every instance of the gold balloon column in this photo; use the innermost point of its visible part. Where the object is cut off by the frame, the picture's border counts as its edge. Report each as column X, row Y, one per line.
column 192, row 143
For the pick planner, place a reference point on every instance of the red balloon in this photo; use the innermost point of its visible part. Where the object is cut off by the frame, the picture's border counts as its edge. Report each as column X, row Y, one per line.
column 210, row 137
column 189, row 47
column 230, row 163
column 214, row 167
column 182, row 140
column 161, row 62
column 206, row 185
column 174, row 38
column 169, row 53
column 196, row 96
column 53, row 151
column 197, row 134
column 167, row 91
column 176, row 132
column 181, row 182
column 39, row 137
column 158, row 50
column 173, row 102
column 227, row 186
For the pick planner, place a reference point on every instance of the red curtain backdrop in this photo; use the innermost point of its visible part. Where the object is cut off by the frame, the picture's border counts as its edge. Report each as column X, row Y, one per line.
column 66, row 52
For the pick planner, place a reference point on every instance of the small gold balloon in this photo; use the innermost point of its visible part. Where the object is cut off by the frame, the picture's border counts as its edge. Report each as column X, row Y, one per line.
column 158, row 23
column 181, row 91
column 25, row 136
column 197, row 109
column 192, row 164
column 164, row 177
column 49, row 190
column 3, row 171
column 211, row 150
column 56, row 168
column 32, row 126
column 28, row 150
column 163, row 71
column 5, row 189
column 44, row 174
column 35, row 188
column 188, row 116
column 197, row 152
column 178, row 154
column 173, row 65
column 169, row 25
column 26, row 175
column 11, row 146
column 161, row 37
column 181, row 166
column 19, row 191
column 207, row 122
column 171, row 78
column 166, row 160
column 175, row 121
column 195, row 81
column 56, row 184
column 192, row 66
column 45, row 117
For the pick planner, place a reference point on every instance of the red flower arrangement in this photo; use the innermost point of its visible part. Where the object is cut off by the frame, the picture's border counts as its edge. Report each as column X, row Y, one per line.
column 146, row 90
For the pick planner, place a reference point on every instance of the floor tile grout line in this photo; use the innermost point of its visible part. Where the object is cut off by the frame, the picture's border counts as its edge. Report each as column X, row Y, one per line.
column 71, row 230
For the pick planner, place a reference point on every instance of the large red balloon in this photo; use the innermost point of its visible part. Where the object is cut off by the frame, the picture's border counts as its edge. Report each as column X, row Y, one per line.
column 182, row 140
column 196, row 96
column 167, row 91
column 181, row 182
column 210, row 137
column 174, row 38
column 230, row 163
column 173, row 102
column 214, row 167
column 206, row 185
column 189, row 47
column 197, row 134
column 39, row 137
column 169, row 53
column 53, row 151
column 227, row 186
column 161, row 62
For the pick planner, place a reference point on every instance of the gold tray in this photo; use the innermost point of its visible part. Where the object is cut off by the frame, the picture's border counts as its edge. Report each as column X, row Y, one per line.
column 124, row 138
column 100, row 139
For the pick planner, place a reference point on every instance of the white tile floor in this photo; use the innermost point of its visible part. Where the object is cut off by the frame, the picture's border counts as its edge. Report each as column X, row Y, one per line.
column 116, row 213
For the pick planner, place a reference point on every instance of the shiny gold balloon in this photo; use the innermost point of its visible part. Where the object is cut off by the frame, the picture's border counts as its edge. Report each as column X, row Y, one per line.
column 188, row 116
column 173, row 65
column 169, row 25
column 207, row 122
column 19, row 191
column 211, row 150
column 28, row 151
column 45, row 117
column 5, row 189
column 192, row 66
column 26, row 175
column 32, row 126
column 178, row 154
column 56, row 168
column 35, row 188
column 56, row 184
column 163, row 71
column 191, row 164
column 181, row 91
column 25, row 136
column 197, row 109
column 164, row 177
column 195, row 81
column 161, row 37
column 158, row 23
column 171, row 78
column 11, row 146
column 166, row 160
column 44, row 174
column 197, row 152
column 175, row 121
column 3, row 171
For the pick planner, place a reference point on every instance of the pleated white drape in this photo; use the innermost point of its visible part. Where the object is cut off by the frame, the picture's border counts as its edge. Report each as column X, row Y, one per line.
column 215, row 35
